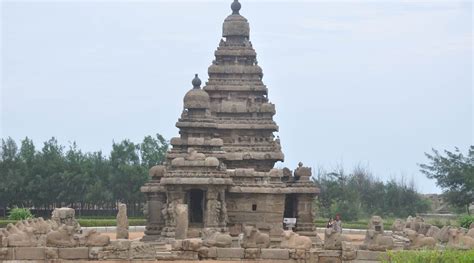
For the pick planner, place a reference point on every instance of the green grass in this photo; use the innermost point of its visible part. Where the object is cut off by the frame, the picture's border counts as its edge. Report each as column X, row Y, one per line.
column 430, row 256
column 359, row 224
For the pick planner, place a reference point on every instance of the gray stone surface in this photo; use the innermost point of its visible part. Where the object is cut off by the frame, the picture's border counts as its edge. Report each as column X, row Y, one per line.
column 74, row 253
column 230, row 253
column 30, row 253
column 370, row 255
column 7, row 253
column 181, row 221
column 122, row 222
column 275, row 253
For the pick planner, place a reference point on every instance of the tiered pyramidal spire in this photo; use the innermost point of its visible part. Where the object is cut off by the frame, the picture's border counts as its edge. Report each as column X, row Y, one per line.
column 238, row 99
column 219, row 172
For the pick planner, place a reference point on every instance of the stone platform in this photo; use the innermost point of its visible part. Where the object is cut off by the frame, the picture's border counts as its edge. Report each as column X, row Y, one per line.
column 92, row 254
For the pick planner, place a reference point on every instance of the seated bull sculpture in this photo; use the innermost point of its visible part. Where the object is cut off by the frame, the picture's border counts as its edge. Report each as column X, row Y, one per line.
column 214, row 238
column 253, row 238
column 459, row 240
column 292, row 240
column 418, row 241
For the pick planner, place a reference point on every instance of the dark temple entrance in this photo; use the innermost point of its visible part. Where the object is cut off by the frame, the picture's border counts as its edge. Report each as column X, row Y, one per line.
column 290, row 206
column 196, row 204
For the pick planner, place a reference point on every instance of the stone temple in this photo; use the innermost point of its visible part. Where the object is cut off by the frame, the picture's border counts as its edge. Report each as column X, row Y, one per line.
column 219, row 173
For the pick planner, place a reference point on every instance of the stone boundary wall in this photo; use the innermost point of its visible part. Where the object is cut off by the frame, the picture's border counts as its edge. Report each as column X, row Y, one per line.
column 215, row 255
column 112, row 229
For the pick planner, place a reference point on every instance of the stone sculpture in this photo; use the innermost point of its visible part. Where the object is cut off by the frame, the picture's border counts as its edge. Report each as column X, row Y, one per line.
column 432, row 231
column 375, row 239
column 459, row 240
column 16, row 237
column 66, row 216
column 418, row 241
column 62, row 237
column 292, row 240
column 443, row 234
column 214, row 238
column 333, row 239
column 398, row 225
column 253, row 238
column 63, row 231
column 122, row 222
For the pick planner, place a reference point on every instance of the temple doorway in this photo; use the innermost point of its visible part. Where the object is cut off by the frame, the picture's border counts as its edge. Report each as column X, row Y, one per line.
column 290, row 206
column 196, row 205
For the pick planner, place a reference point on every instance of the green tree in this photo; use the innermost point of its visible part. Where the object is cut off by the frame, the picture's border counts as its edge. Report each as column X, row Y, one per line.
column 153, row 150
column 454, row 173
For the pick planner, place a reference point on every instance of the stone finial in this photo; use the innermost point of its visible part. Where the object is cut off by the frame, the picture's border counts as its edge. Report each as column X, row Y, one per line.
column 196, row 82
column 235, row 6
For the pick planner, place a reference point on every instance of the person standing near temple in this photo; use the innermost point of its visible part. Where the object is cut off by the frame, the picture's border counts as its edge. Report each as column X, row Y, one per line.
column 337, row 224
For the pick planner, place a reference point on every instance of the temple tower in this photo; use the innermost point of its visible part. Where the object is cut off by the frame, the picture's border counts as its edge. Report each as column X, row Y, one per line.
column 219, row 173
column 239, row 99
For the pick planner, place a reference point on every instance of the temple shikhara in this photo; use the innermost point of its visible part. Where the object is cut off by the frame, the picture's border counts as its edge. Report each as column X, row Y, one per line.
column 220, row 171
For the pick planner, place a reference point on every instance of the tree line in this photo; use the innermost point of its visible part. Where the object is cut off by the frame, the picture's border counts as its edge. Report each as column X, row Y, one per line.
column 359, row 194
column 56, row 175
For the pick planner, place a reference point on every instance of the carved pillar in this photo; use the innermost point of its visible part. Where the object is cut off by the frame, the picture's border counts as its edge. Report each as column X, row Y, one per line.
column 155, row 222
column 305, row 217
column 213, row 209
column 223, row 216
column 174, row 198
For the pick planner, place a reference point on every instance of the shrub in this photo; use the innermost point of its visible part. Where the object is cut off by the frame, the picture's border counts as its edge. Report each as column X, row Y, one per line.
column 19, row 214
column 466, row 221
column 430, row 256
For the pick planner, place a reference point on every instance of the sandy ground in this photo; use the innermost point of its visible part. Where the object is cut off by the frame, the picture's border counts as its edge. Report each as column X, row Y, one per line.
column 356, row 239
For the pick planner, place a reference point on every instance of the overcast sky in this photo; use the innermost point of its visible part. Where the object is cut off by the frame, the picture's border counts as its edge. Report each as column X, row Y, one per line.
column 353, row 82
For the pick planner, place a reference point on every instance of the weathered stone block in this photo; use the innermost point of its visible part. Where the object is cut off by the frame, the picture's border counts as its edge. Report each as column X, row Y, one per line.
column 7, row 253
column 252, row 253
column 192, row 244
column 329, row 260
column 122, row 222
column 370, row 255
column 177, row 245
column 74, row 253
column 182, row 223
column 188, row 255
column 299, row 254
column 330, row 253
column 121, row 244
column 230, row 252
column 94, row 252
column 212, row 252
column 275, row 253
column 51, row 253
column 31, row 253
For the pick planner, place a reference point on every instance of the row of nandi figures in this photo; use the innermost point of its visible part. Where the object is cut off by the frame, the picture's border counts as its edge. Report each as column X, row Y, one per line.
column 413, row 233
column 251, row 241
column 422, row 234
column 62, row 230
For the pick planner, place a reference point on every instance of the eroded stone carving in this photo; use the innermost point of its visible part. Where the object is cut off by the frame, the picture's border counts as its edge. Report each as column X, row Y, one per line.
column 214, row 238
column 333, row 239
column 419, row 240
column 458, row 239
column 375, row 239
column 253, row 238
column 292, row 240
column 122, row 222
